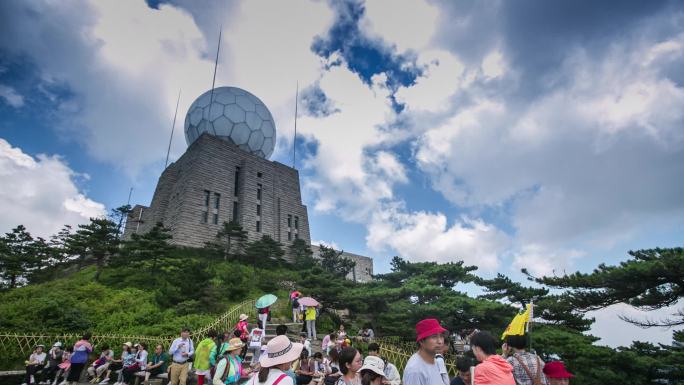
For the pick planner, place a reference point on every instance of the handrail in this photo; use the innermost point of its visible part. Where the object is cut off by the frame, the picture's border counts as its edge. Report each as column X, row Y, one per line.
column 17, row 346
column 398, row 352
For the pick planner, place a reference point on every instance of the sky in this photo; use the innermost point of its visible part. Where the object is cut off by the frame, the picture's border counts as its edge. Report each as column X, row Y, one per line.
column 546, row 135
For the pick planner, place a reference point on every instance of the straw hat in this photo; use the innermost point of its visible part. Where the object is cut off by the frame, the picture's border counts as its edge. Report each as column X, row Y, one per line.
column 129, row 344
column 234, row 344
column 280, row 350
column 374, row 364
column 243, row 317
column 57, row 345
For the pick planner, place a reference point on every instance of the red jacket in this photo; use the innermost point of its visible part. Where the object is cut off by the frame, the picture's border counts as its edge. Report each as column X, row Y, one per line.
column 495, row 370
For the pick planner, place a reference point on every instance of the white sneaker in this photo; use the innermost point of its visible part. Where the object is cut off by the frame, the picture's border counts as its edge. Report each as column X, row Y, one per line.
column 104, row 382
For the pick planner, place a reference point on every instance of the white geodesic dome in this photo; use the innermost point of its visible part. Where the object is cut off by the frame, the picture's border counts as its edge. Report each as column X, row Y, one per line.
column 235, row 115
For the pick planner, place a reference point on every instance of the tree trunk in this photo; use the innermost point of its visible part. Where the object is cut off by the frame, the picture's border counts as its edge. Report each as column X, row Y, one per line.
column 100, row 263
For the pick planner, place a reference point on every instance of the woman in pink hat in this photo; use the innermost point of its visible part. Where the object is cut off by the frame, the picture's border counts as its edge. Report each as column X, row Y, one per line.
column 557, row 374
column 278, row 358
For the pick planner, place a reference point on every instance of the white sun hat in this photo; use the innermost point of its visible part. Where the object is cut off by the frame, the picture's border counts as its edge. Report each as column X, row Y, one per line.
column 376, row 364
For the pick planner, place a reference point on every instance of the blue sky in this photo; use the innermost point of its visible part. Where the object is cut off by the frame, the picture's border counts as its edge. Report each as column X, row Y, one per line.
column 539, row 134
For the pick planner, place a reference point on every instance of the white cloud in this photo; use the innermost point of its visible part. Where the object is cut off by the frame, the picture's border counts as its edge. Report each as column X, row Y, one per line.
column 40, row 193
column 443, row 75
column 11, row 96
column 582, row 167
column 493, row 65
column 423, row 236
column 408, row 25
column 615, row 332
column 332, row 245
column 342, row 181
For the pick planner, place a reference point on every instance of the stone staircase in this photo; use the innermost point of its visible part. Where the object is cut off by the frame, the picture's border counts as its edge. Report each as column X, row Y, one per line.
column 293, row 330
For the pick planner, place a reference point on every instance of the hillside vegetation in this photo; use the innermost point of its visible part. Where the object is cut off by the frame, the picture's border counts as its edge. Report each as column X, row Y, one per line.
column 92, row 281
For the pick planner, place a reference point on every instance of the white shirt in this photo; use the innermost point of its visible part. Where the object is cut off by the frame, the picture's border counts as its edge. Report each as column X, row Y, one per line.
column 255, row 337
column 39, row 358
column 419, row 372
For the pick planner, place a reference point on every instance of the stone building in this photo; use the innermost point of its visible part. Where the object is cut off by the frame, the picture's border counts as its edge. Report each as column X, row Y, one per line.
column 225, row 175
column 216, row 182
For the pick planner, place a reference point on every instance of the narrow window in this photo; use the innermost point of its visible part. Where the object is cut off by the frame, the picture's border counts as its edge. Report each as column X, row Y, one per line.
column 259, row 191
column 259, row 175
column 289, row 221
column 296, row 223
column 205, row 217
column 237, row 180
column 258, row 226
column 296, row 235
column 207, row 194
column 289, row 235
column 235, row 211
column 217, row 200
column 216, row 218
column 258, row 210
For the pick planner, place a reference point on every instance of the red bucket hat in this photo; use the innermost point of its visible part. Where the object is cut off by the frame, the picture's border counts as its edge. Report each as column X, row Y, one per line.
column 556, row 369
column 427, row 328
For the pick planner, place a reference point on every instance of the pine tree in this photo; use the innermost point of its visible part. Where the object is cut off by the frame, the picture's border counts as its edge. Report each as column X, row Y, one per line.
column 651, row 280
column 16, row 256
column 230, row 240
column 301, row 253
column 333, row 262
column 98, row 239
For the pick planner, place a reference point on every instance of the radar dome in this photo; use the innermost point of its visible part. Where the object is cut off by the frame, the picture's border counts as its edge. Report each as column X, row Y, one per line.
column 235, row 115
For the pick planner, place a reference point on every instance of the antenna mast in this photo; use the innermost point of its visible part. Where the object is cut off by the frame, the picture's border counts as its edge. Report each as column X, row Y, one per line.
column 173, row 128
column 213, row 82
column 294, row 141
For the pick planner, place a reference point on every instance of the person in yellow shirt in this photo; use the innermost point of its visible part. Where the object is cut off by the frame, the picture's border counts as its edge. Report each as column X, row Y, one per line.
column 310, row 317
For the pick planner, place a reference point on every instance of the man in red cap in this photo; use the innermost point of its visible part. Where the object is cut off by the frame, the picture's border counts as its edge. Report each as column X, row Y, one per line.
column 421, row 368
column 557, row 374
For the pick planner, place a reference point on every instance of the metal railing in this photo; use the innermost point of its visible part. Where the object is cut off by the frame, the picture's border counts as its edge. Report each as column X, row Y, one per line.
column 16, row 347
column 398, row 352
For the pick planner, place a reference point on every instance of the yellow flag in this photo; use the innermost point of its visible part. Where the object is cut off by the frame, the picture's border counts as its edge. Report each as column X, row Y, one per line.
column 517, row 326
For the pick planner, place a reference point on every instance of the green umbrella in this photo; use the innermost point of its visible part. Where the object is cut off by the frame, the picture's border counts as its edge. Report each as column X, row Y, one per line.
column 266, row 301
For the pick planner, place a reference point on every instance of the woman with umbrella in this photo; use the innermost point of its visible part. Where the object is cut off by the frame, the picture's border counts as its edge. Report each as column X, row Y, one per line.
column 262, row 305
column 310, row 315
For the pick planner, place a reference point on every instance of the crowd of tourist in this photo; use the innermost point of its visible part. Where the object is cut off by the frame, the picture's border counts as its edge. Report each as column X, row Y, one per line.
column 222, row 360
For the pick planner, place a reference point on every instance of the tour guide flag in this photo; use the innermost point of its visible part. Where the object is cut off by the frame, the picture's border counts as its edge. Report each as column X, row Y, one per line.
column 517, row 326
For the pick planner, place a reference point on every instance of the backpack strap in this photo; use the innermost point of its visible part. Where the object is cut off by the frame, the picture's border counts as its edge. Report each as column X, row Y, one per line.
column 280, row 378
column 527, row 370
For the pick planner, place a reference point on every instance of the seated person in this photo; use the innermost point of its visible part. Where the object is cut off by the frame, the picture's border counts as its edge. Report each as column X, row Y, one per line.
column 305, row 368
column 54, row 357
column 158, row 363
column 463, row 365
column 101, row 364
column 35, row 363
column 117, row 364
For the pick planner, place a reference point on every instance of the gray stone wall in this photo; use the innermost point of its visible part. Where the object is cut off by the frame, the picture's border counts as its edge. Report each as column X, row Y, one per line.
column 363, row 271
column 209, row 164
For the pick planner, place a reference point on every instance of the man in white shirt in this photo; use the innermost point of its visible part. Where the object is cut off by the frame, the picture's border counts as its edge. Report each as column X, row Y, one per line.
column 181, row 350
column 421, row 368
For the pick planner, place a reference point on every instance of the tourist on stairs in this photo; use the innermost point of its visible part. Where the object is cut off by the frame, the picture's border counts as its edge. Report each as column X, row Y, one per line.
column 205, row 357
